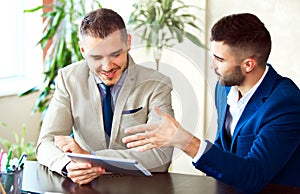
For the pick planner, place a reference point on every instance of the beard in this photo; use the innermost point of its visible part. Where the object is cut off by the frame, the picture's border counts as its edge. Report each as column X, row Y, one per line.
column 236, row 77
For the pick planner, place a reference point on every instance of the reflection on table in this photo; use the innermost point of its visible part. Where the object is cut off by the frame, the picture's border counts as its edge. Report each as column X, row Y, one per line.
column 39, row 179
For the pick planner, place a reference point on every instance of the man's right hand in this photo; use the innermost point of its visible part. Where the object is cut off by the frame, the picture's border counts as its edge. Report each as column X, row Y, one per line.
column 164, row 133
column 83, row 173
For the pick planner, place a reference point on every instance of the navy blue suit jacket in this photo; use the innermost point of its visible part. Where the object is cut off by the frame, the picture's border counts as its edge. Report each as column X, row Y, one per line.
column 265, row 144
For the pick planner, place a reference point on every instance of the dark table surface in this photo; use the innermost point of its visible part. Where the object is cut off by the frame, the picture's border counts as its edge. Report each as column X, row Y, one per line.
column 39, row 179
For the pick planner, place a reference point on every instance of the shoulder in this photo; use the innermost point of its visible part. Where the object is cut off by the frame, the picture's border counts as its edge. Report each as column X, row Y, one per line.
column 75, row 74
column 78, row 70
column 280, row 96
column 282, row 87
column 286, row 87
column 75, row 67
column 285, row 95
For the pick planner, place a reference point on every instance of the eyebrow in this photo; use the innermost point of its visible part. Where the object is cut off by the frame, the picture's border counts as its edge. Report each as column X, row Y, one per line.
column 111, row 54
column 218, row 57
column 117, row 52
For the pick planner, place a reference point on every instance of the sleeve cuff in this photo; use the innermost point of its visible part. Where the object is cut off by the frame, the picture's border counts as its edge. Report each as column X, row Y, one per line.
column 64, row 171
column 200, row 152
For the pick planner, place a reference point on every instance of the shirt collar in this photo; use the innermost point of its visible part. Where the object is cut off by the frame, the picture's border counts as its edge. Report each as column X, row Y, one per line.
column 233, row 95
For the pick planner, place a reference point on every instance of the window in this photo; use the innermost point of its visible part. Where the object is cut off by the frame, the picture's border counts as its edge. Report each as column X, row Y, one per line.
column 22, row 59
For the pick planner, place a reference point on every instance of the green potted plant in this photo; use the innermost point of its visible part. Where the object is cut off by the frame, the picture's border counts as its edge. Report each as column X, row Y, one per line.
column 60, row 40
column 19, row 146
column 161, row 22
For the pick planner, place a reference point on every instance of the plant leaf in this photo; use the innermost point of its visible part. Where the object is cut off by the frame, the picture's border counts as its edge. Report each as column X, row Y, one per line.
column 194, row 39
column 34, row 9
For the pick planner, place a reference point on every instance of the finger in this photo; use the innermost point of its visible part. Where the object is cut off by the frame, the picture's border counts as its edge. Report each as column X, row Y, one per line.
column 135, row 137
column 86, row 175
column 57, row 138
column 81, row 180
column 80, row 175
column 138, row 143
column 75, row 166
column 138, row 128
column 146, row 147
column 67, row 148
column 57, row 141
column 60, row 140
column 60, row 145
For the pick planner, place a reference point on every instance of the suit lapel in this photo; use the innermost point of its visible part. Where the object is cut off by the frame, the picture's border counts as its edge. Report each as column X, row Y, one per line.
column 224, row 137
column 255, row 102
column 222, row 115
column 249, row 110
column 96, row 104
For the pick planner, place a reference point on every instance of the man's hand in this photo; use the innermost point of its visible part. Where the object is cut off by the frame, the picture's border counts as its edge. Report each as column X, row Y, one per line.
column 83, row 173
column 68, row 144
column 164, row 133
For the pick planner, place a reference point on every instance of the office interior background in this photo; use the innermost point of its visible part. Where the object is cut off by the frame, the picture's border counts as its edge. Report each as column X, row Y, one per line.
column 187, row 65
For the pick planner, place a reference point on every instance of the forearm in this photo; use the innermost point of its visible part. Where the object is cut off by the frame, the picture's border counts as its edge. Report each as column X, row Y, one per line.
column 192, row 147
column 187, row 142
column 49, row 155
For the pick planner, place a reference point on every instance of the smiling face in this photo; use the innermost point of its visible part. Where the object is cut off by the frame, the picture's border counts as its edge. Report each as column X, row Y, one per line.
column 106, row 58
column 225, row 65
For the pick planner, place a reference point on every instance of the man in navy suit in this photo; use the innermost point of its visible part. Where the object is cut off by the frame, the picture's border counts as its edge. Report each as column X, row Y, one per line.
column 258, row 114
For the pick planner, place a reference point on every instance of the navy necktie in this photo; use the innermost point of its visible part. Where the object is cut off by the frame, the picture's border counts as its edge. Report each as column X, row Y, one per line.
column 107, row 110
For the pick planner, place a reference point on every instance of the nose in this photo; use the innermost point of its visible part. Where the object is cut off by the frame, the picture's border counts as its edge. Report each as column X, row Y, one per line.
column 213, row 65
column 106, row 64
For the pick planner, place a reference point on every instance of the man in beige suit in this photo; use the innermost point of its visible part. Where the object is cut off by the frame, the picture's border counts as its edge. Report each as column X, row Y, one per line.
column 77, row 102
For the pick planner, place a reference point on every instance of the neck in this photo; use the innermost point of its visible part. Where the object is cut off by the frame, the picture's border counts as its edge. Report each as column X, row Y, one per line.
column 251, row 79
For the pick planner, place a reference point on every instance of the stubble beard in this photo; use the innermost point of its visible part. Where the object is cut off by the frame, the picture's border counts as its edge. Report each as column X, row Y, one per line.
column 234, row 78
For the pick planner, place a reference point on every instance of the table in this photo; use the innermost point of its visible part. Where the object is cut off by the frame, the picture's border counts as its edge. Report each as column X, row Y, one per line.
column 39, row 179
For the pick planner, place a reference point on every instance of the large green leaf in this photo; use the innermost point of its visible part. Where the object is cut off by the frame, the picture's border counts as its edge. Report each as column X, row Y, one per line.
column 194, row 39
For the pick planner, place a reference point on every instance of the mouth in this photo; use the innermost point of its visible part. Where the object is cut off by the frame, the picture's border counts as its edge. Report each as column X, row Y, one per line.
column 109, row 75
column 218, row 75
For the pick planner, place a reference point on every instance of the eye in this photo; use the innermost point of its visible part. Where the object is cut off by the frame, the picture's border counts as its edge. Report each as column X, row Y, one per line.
column 115, row 55
column 220, row 60
column 96, row 58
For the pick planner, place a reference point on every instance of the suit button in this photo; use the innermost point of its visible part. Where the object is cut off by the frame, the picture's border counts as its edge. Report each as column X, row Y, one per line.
column 219, row 175
column 209, row 169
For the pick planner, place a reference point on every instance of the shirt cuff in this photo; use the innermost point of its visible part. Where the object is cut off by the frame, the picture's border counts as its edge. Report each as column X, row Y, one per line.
column 64, row 171
column 200, row 152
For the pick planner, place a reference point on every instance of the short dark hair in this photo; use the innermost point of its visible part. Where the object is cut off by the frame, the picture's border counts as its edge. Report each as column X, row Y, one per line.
column 245, row 34
column 101, row 23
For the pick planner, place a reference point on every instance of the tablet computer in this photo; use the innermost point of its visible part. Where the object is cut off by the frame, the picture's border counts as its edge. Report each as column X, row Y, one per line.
column 110, row 164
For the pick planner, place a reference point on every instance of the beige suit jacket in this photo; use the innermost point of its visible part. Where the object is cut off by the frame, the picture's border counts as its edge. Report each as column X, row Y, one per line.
column 76, row 105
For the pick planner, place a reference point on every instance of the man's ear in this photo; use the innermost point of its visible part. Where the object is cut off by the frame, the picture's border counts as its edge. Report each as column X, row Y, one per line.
column 249, row 64
column 129, row 41
column 82, row 52
column 81, row 49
